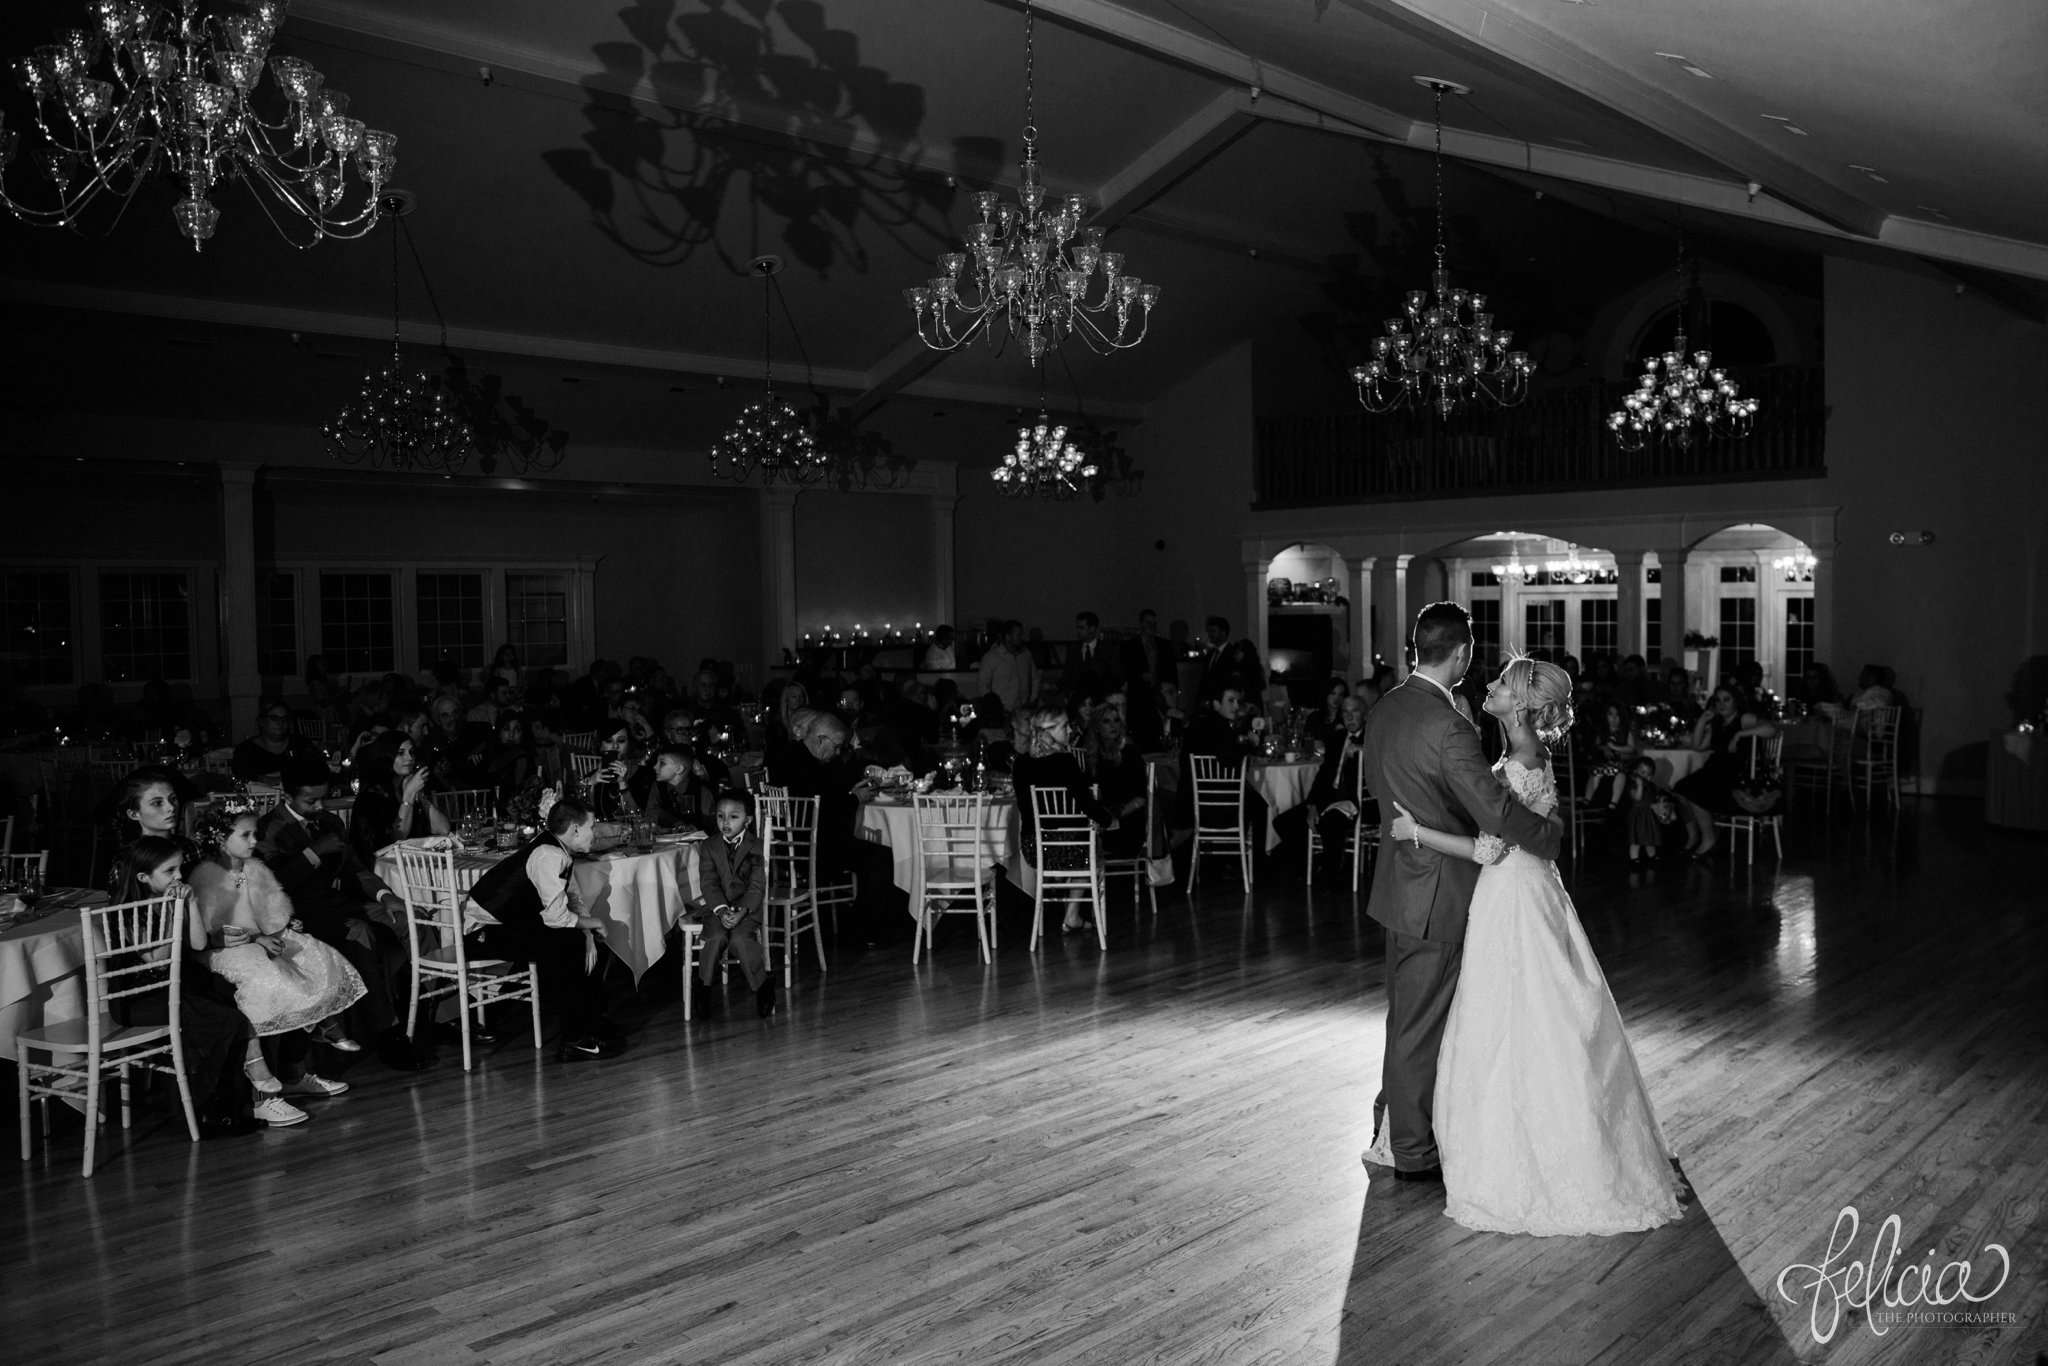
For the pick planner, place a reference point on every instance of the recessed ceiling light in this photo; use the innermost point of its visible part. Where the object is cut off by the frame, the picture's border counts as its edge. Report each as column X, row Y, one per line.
column 1870, row 171
column 1687, row 65
column 1786, row 124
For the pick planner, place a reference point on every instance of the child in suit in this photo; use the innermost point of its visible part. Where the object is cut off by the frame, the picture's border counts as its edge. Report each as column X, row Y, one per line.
column 732, row 873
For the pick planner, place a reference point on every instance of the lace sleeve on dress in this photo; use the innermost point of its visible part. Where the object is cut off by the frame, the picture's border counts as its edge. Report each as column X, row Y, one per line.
column 1533, row 787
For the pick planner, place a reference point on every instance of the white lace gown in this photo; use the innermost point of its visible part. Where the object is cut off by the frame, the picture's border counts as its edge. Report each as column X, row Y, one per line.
column 1542, row 1118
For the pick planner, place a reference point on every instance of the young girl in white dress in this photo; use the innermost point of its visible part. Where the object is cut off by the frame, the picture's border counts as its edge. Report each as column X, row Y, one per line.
column 284, row 978
column 1541, row 1113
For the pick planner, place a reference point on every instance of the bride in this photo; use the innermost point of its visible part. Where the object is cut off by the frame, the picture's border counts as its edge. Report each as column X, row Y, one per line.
column 1541, row 1113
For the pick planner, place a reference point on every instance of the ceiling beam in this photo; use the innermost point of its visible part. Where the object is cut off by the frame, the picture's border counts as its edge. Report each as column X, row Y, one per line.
column 1537, row 49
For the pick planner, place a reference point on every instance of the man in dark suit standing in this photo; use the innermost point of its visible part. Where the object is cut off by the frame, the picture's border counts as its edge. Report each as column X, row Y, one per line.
column 1420, row 752
column 1334, row 793
column 1147, row 658
column 1092, row 670
column 1230, row 661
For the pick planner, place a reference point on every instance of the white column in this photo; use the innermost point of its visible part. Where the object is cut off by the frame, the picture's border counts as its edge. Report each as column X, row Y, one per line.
column 243, row 684
column 1361, row 617
column 1824, row 606
column 1255, row 572
column 1628, row 601
column 778, row 575
column 1390, row 602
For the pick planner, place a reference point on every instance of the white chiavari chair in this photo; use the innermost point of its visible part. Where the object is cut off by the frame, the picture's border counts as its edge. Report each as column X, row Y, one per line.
column 441, row 965
column 1874, row 758
column 1139, row 865
column 132, row 950
column 1821, row 771
column 1068, row 858
column 585, row 766
column 19, row 868
column 1219, row 814
column 467, row 803
column 7, row 835
column 957, row 876
column 1763, row 759
column 1362, row 836
column 789, row 846
column 580, row 741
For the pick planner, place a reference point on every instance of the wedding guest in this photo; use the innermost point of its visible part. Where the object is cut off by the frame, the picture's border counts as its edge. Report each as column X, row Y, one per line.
column 264, row 756
column 1612, row 752
column 1146, row 658
column 583, row 702
column 146, row 803
column 505, row 668
column 1216, row 732
column 713, row 711
column 1633, row 685
column 1046, row 760
column 1647, row 809
column 1709, row 790
column 939, row 654
column 1873, row 689
column 1116, row 768
column 461, row 749
column 510, row 765
column 673, row 790
column 541, row 920
column 1749, row 676
column 503, row 696
column 1684, row 707
column 1008, row 669
column 336, row 894
column 733, row 876
column 1326, row 727
column 392, row 802
column 817, row 767
column 1817, row 686
column 606, row 790
column 1225, row 661
column 1156, row 721
column 328, row 698
column 1092, row 667
column 1333, row 796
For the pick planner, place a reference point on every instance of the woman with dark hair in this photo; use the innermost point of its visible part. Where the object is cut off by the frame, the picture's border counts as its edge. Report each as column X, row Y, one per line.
column 505, row 666
column 391, row 797
column 1045, row 758
column 511, row 763
column 1710, row 789
column 1327, row 725
column 1117, row 769
column 606, row 790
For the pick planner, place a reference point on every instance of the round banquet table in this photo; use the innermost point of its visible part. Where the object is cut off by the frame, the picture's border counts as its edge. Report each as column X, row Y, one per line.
column 893, row 821
column 42, row 965
column 1674, row 764
column 1284, row 784
column 639, row 897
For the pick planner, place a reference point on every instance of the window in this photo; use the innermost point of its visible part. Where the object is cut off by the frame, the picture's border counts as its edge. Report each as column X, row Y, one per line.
column 1543, row 628
column 355, row 623
column 1738, row 633
column 35, row 626
column 1653, row 628
column 1599, row 627
column 451, row 620
column 145, row 627
column 1486, row 633
column 277, row 625
column 1738, row 573
column 537, row 618
column 1798, row 637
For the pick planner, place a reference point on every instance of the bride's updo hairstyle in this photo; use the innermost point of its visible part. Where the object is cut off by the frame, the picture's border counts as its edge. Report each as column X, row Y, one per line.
column 1545, row 693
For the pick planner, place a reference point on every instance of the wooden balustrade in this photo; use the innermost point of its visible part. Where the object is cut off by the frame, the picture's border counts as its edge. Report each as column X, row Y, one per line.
column 1559, row 439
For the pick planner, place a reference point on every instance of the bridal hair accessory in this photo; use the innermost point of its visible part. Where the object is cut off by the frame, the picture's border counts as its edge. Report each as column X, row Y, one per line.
column 1545, row 693
column 217, row 820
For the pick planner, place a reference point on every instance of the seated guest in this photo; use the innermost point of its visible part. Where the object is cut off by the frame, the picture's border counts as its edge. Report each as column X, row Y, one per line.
column 605, row 791
column 1326, row 727
column 1046, row 760
column 460, row 751
column 1156, row 719
column 733, row 874
column 913, row 724
column 792, row 698
column 392, row 802
column 509, row 763
column 673, row 790
column 1611, row 750
column 712, row 710
column 1685, row 708
column 1709, row 790
column 1092, row 666
column 264, row 756
column 505, row 668
column 503, row 696
column 1117, row 769
column 1873, row 689
column 939, row 654
column 147, row 802
column 1333, row 796
column 541, row 920
column 1749, row 675
column 1633, row 684
column 816, row 767
column 1817, row 686
column 1216, row 732
column 335, row 894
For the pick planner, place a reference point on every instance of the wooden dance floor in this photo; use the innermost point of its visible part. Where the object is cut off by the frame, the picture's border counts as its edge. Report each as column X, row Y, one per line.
column 1145, row 1156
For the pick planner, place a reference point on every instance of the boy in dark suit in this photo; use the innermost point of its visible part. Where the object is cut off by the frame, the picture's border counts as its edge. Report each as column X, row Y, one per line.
column 732, row 875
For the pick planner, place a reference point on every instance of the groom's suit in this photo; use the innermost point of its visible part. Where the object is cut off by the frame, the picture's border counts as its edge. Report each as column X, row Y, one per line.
column 1421, row 752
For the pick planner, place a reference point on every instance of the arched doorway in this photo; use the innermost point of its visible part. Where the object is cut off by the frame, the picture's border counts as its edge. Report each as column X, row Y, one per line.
column 1755, row 590
column 1308, row 624
column 1537, row 594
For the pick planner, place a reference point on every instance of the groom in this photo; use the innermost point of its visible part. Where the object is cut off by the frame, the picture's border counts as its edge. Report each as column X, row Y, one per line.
column 1423, row 753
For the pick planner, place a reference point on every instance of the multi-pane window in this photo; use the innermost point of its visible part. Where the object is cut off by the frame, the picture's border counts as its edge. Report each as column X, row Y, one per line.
column 1738, row 573
column 1599, row 627
column 1798, row 637
column 1738, row 633
column 451, row 620
column 145, row 626
column 1543, row 628
column 356, row 634
column 277, row 625
column 537, row 618
column 35, row 626
column 1486, row 633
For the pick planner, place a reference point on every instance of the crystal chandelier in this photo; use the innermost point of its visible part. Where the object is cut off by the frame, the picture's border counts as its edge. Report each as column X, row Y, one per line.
column 177, row 96
column 769, row 435
column 1797, row 567
column 1032, row 264
column 1682, row 398
column 399, row 419
column 1044, row 463
column 1445, row 350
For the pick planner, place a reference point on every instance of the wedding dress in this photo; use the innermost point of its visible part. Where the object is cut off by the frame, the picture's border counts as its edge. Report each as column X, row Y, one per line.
column 1541, row 1114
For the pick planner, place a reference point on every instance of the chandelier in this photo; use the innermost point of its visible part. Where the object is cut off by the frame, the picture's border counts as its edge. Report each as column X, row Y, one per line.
column 1444, row 350
column 176, row 95
column 1682, row 398
column 399, row 419
column 1515, row 568
column 1032, row 266
column 1797, row 567
column 1043, row 464
column 769, row 435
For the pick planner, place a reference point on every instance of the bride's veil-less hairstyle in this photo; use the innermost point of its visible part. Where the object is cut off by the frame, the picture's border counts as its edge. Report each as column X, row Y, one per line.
column 1544, row 692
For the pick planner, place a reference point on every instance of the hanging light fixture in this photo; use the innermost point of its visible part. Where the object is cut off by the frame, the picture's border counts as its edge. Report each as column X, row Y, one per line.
column 399, row 419
column 1044, row 463
column 1682, row 397
column 1444, row 351
column 1797, row 567
column 176, row 95
column 1032, row 267
column 769, row 436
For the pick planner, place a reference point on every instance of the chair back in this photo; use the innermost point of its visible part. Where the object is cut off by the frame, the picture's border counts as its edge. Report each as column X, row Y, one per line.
column 771, row 790
column 469, row 803
column 1219, row 792
column 584, row 766
column 218, row 761
column 789, row 843
column 1060, row 823
column 433, row 901
column 580, row 741
column 950, row 827
column 7, row 835
column 1762, row 753
column 20, row 868
column 1881, row 732
column 119, row 941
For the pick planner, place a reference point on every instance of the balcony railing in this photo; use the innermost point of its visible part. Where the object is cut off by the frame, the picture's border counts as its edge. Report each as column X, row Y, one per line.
column 1556, row 440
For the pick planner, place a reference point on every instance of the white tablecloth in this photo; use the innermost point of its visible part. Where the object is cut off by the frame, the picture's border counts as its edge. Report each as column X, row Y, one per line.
column 1673, row 764
column 895, row 824
column 640, row 897
column 1284, row 784
column 42, row 970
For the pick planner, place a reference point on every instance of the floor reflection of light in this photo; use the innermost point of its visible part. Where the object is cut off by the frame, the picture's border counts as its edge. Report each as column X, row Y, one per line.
column 1798, row 953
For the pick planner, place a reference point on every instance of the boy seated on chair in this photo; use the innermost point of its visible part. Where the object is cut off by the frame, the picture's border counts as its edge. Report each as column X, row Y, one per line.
column 732, row 873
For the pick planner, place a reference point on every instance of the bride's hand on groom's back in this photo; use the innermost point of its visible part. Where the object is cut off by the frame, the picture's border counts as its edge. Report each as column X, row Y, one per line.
column 1403, row 826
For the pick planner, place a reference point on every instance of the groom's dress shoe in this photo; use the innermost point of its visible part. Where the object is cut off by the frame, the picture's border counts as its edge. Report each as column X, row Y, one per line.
column 1435, row 1174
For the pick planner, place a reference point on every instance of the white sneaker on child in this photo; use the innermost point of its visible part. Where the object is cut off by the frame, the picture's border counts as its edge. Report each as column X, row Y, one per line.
column 278, row 1113
column 310, row 1085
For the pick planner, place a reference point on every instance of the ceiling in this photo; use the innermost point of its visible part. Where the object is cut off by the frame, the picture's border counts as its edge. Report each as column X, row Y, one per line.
column 593, row 179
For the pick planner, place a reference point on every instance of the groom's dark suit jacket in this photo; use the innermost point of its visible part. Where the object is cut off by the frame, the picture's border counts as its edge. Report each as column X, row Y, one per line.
column 1420, row 752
